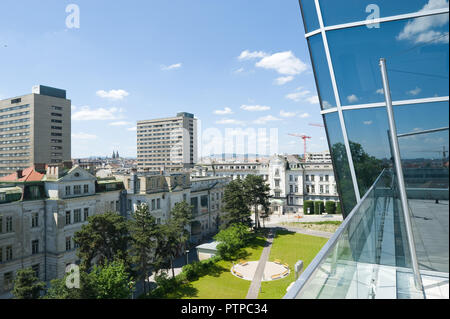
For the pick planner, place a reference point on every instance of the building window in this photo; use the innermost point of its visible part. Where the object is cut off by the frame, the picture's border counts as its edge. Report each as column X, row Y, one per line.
column 277, row 183
column 35, row 220
column 77, row 216
column 291, row 178
column 68, row 243
column 326, row 178
column 117, row 206
column 68, row 217
column 8, row 281
column 153, row 204
column 291, row 188
column 277, row 194
column 77, row 189
column 9, row 227
column 1, row 255
column 321, row 189
column 86, row 188
column 67, row 190
column 1, row 224
column 35, row 268
column 158, row 203
column 86, row 214
column 9, row 253
column 312, row 178
column 35, row 247
column 129, row 204
column 307, row 178
column 185, row 197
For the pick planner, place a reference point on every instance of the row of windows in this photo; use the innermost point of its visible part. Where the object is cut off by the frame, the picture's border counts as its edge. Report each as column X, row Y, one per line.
column 56, row 128
column 15, row 141
column 15, row 134
column 15, row 148
column 77, row 189
column 14, row 128
column 14, row 162
column 14, row 115
column 76, row 216
column 8, row 227
column 15, row 155
column 15, row 121
column 20, row 107
column 56, row 121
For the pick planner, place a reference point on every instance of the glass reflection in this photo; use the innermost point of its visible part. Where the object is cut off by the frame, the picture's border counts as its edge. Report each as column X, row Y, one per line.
column 344, row 11
column 417, row 57
column 309, row 14
column 321, row 72
column 340, row 163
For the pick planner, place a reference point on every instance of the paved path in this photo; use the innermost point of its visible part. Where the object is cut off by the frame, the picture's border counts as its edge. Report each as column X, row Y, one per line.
column 255, row 286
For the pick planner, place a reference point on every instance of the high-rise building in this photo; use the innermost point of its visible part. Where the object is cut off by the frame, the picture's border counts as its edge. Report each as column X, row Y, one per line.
column 168, row 144
column 35, row 129
column 387, row 130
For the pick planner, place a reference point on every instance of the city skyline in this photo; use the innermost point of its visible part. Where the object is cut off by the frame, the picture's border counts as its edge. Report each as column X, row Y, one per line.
column 166, row 59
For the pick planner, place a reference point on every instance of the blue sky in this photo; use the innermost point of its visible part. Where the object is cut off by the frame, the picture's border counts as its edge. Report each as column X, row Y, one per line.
column 136, row 60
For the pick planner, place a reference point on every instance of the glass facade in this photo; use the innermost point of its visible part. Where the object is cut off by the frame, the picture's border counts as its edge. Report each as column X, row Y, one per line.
column 346, row 40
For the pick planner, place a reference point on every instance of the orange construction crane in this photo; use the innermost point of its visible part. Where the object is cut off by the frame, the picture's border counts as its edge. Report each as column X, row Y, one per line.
column 304, row 138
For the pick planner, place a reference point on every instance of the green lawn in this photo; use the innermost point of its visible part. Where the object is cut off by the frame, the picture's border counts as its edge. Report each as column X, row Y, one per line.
column 290, row 247
column 221, row 284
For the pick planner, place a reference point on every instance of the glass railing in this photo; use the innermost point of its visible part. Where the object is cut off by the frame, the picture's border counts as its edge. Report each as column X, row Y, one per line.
column 361, row 259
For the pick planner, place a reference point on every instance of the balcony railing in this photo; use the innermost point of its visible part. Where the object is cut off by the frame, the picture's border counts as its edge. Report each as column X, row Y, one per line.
column 368, row 256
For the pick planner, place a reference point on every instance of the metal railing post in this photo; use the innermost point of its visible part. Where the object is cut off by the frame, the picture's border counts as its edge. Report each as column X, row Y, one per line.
column 399, row 172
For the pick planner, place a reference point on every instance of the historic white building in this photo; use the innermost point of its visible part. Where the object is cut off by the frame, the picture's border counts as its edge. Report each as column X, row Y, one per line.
column 291, row 180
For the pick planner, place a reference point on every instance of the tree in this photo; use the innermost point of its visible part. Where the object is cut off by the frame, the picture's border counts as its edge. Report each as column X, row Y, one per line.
column 59, row 290
column 235, row 208
column 338, row 208
column 27, row 285
column 111, row 281
column 143, row 231
column 103, row 239
column 172, row 236
column 257, row 193
column 231, row 240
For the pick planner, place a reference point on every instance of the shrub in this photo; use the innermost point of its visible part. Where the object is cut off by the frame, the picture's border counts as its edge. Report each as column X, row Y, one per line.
column 338, row 208
column 318, row 207
column 330, row 207
column 308, row 204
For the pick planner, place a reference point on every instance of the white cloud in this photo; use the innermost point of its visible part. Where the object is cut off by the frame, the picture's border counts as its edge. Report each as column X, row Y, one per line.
column 230, row 122
column 287, row 114
column 297, row 96
column 247, row 55
column 416, row 91
column 304, row 115
column 352, row 98
column 113, row 94
column 265, row 119
column 120, row 123
column 171, row 67
column 380, row 91
column 255, row 108
column 326, row 104
column 85, row 113
column 84, row 136
column 313, row 99
column 283, row 80
column 285, row 63
column 367, row 122
column 134, row 128
column 225, row 111
column 240, row 70
column 420, row 30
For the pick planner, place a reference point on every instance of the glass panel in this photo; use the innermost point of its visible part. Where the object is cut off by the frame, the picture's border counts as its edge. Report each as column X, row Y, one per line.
column 340, row 162
column 321, row 71
column 344, row 11
column 363, row 261
column 368, row 131
column 309, row 14
column 425, row 165
column 417, row 55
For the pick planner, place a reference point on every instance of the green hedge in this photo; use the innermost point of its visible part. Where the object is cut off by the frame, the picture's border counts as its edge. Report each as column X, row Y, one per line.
column 319, row 207
column 308, row 204
column 338, row 208
column 330, row 207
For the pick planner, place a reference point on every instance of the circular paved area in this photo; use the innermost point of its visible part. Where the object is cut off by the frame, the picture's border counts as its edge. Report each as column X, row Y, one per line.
column 272, row 271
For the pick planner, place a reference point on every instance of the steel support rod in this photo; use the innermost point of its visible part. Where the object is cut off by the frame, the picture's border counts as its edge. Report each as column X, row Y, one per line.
column 399, row 173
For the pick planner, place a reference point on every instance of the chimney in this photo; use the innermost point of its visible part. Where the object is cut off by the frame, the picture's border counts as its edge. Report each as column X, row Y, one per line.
column 19, row 174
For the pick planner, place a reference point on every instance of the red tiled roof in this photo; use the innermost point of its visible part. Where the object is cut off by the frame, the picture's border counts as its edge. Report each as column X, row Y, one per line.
column 28, row 175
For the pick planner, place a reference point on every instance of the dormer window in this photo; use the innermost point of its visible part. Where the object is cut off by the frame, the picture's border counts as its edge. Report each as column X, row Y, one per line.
column 77, row 174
